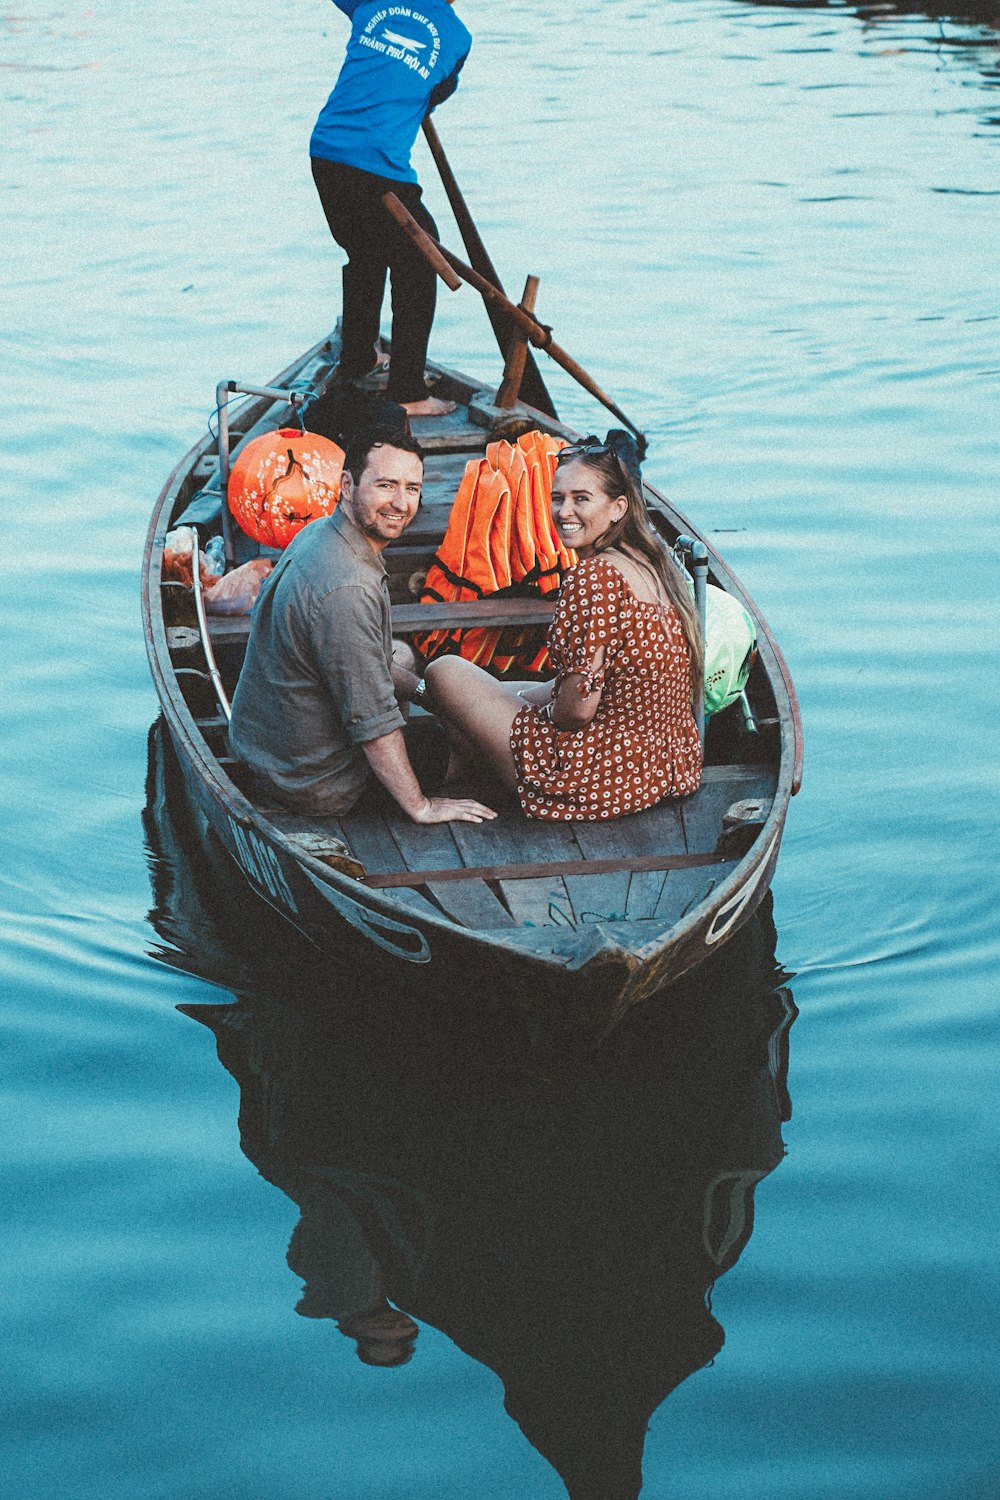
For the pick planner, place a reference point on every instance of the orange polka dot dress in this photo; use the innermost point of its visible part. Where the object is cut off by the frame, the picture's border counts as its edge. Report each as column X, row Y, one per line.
column 642, row 744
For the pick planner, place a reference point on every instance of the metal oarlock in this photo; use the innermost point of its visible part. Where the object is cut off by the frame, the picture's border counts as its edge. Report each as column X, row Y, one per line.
column 695, row 555
column 223, row 391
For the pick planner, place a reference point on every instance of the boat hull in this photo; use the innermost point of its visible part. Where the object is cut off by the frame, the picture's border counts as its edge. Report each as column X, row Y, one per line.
column 588, row 976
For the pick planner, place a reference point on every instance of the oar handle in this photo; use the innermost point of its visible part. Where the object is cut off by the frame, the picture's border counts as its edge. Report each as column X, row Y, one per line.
column 471, row 237
column 425, row 244
column 540, row 334
column 537, row 333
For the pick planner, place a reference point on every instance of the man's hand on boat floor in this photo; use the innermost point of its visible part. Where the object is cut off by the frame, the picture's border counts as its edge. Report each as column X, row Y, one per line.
column 388, row 759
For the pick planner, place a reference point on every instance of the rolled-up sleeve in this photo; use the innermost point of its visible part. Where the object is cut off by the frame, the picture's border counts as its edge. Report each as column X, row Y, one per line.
column 353, row 647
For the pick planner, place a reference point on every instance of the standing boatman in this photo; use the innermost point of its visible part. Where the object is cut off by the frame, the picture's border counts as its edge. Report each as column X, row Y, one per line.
column 402, row 60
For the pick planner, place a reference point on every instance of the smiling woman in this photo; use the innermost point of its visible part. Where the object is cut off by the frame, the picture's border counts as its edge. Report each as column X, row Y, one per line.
column 614, row 732
column 582, row 511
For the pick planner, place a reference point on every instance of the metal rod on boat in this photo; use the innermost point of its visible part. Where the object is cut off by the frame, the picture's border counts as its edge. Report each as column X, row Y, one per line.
column 532, row 384
column 222, row 408
column 223, row 391
column 537, row 333
column 206, row 643
column 696, row 554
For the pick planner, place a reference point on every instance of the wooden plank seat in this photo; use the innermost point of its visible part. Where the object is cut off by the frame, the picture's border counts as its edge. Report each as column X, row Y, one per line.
column 502, row 873
column 407, row 619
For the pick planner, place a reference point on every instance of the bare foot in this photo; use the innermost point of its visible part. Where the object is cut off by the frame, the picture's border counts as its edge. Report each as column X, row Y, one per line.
column 457, row 773
column 430, row 406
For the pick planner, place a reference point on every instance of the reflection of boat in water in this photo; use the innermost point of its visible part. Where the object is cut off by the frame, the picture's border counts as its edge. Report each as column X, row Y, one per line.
column 560, row 1213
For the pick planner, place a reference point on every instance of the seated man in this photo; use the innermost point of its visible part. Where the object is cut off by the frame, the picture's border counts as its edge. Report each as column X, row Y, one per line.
column 316, row 708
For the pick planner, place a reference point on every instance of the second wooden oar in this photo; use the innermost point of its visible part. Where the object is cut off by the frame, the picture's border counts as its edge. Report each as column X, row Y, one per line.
column 532, row 385
column 537, row 333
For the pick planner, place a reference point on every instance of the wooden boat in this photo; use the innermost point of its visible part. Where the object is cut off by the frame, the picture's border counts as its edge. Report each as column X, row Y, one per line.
column 582, row 920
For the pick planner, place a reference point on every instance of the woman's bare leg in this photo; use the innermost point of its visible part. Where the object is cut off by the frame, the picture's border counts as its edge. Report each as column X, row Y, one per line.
column 477, row 713
column 464, row 758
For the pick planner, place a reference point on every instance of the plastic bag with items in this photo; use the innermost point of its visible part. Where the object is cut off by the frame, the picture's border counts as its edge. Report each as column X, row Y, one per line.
column 232, row 593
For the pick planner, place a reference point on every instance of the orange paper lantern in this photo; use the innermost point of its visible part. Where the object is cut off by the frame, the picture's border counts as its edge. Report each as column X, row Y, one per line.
column 283, row 480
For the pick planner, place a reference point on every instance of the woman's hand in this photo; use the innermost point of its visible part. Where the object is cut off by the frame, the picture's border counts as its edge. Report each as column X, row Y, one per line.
column 573, row 708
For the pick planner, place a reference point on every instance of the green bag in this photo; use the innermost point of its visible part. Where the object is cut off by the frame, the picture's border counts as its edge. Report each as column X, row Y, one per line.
column 730, row 644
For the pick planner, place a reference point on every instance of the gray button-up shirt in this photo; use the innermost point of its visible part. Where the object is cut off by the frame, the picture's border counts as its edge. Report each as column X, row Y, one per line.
column 316, row 684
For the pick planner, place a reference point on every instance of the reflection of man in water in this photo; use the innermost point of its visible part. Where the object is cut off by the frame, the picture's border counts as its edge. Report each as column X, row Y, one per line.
column 343, row 1279
column 385, row 1335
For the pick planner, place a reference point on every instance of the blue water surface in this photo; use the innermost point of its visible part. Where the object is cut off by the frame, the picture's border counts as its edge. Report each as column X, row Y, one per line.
column 771, row 231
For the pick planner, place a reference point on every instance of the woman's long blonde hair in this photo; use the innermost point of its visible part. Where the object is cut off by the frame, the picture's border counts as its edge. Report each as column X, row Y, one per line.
column 616, row 464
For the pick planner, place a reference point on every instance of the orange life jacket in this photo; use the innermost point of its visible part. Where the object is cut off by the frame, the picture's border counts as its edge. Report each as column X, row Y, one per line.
column 500, row 540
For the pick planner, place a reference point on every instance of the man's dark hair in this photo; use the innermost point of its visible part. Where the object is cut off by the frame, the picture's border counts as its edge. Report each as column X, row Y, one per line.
column 381, row 434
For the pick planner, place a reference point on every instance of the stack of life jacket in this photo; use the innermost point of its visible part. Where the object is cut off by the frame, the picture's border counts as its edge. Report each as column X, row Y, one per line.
column 500, row 542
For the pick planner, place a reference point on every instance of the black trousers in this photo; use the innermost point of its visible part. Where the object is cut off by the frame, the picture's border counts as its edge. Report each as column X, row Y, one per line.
column 375, row 246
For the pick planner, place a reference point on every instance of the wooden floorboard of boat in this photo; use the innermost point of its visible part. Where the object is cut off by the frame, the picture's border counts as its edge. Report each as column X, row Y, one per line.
column 422, row 846
column 544, row 902
column 370, row 841
column 657, row 831
column 703, row 813
column 387, row 842
column 472, row 904
column 452, row 434
column 513, row 839
column 429, row 846
column 442, row 475
column 644, row 887
column 599, row 898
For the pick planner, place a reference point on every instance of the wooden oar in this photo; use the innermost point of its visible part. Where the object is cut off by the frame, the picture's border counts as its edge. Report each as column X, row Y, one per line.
column 536, row 333
column 532, row 385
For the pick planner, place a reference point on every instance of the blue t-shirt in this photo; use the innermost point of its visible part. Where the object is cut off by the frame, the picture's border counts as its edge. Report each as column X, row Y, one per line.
column 401, row 61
